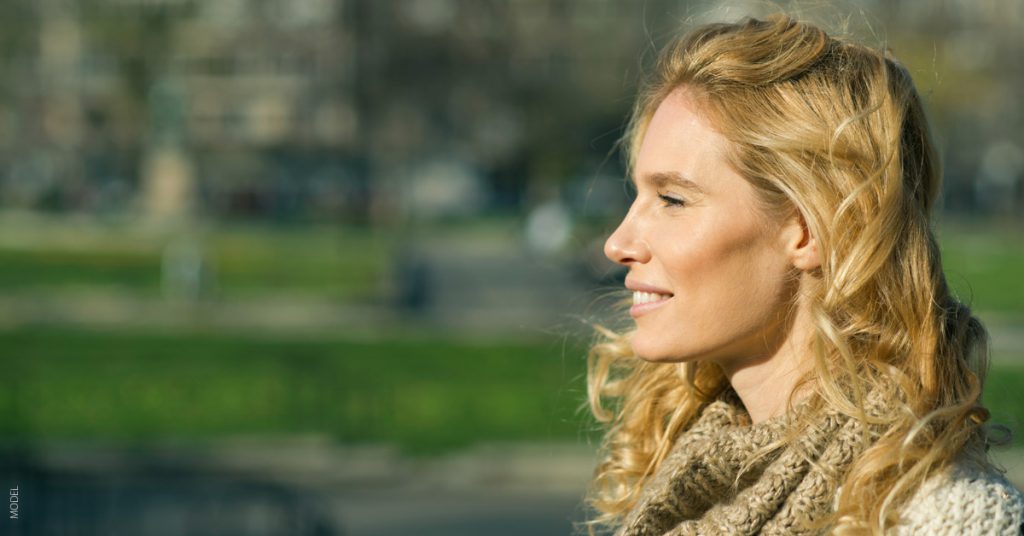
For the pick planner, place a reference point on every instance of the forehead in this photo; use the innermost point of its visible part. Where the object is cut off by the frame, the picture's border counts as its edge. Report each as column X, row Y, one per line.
column 679, row 140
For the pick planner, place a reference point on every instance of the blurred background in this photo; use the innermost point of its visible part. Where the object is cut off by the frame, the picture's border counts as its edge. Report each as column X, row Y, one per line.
column 330, row 266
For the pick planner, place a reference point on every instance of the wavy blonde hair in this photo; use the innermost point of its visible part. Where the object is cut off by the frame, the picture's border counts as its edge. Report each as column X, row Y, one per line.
column 836, row 131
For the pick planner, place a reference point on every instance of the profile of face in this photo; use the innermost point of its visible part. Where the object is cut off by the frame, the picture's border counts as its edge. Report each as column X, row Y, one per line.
column 712, row 274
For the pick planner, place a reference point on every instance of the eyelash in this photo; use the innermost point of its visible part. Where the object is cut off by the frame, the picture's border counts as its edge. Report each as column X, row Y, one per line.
column 672, row 201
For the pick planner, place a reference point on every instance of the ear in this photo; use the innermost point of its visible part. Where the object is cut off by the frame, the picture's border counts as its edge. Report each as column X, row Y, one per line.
column 800, row 244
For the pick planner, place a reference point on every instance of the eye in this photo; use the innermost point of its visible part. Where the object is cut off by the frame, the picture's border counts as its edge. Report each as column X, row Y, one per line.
column 671, row 201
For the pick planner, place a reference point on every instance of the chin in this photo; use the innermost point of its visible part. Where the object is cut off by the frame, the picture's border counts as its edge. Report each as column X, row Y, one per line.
column 655, row 354
column 660, row 359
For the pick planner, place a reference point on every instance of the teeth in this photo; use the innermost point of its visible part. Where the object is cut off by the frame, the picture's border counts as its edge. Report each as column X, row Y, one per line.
column 648, row 297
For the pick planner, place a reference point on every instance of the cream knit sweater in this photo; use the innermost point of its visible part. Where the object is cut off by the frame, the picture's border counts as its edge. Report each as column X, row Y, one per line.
column 966, row 501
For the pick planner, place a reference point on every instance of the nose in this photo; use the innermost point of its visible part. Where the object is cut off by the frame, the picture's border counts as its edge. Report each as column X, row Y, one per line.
column 624, row 246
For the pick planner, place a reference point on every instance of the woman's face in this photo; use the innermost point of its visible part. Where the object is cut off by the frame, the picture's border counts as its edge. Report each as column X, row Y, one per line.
column 709, row 271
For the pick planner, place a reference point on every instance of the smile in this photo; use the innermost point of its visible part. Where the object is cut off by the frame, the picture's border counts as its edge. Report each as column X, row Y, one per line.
column 648, row 297
column 646, row 301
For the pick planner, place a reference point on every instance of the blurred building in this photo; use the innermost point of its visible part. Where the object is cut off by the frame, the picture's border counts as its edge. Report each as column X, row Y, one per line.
column 329, row 109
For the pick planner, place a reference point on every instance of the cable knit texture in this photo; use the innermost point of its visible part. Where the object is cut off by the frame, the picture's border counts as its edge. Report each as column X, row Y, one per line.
column 965, row 501
column 713, row 483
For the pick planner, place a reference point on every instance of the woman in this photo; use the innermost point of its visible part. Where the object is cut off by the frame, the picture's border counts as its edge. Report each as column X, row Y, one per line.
column 803, row 367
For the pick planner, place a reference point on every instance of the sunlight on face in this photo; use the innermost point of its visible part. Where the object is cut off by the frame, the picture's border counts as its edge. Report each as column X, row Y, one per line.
column 710, row 276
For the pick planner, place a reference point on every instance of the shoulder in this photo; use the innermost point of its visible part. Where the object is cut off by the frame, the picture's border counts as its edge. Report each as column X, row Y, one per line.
column 967, row 500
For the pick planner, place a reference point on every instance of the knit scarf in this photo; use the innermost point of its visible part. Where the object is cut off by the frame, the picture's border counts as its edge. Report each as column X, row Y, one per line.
column 712, row 482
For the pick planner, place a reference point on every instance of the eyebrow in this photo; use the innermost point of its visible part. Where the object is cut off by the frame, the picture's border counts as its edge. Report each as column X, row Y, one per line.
column 660, row 179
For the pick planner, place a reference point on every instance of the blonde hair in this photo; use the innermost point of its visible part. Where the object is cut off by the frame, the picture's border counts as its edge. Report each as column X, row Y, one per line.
column 836, row 131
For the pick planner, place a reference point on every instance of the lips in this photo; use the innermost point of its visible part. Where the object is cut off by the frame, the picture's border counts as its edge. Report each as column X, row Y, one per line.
column 646, row 297
column 644, row 288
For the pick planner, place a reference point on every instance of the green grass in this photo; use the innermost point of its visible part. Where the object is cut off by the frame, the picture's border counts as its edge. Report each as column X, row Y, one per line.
column 341, row 263
column 1003, row 396
column 423, row 395
column 337, row 263
column 984, row 267
column 29, row 268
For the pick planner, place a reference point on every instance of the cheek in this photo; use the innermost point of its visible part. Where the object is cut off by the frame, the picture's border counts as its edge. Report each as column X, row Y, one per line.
column 716, row 263
column 729, row 281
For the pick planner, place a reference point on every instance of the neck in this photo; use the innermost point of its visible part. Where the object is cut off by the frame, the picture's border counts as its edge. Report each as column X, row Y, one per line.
column 766, row 384
column 765, row 388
